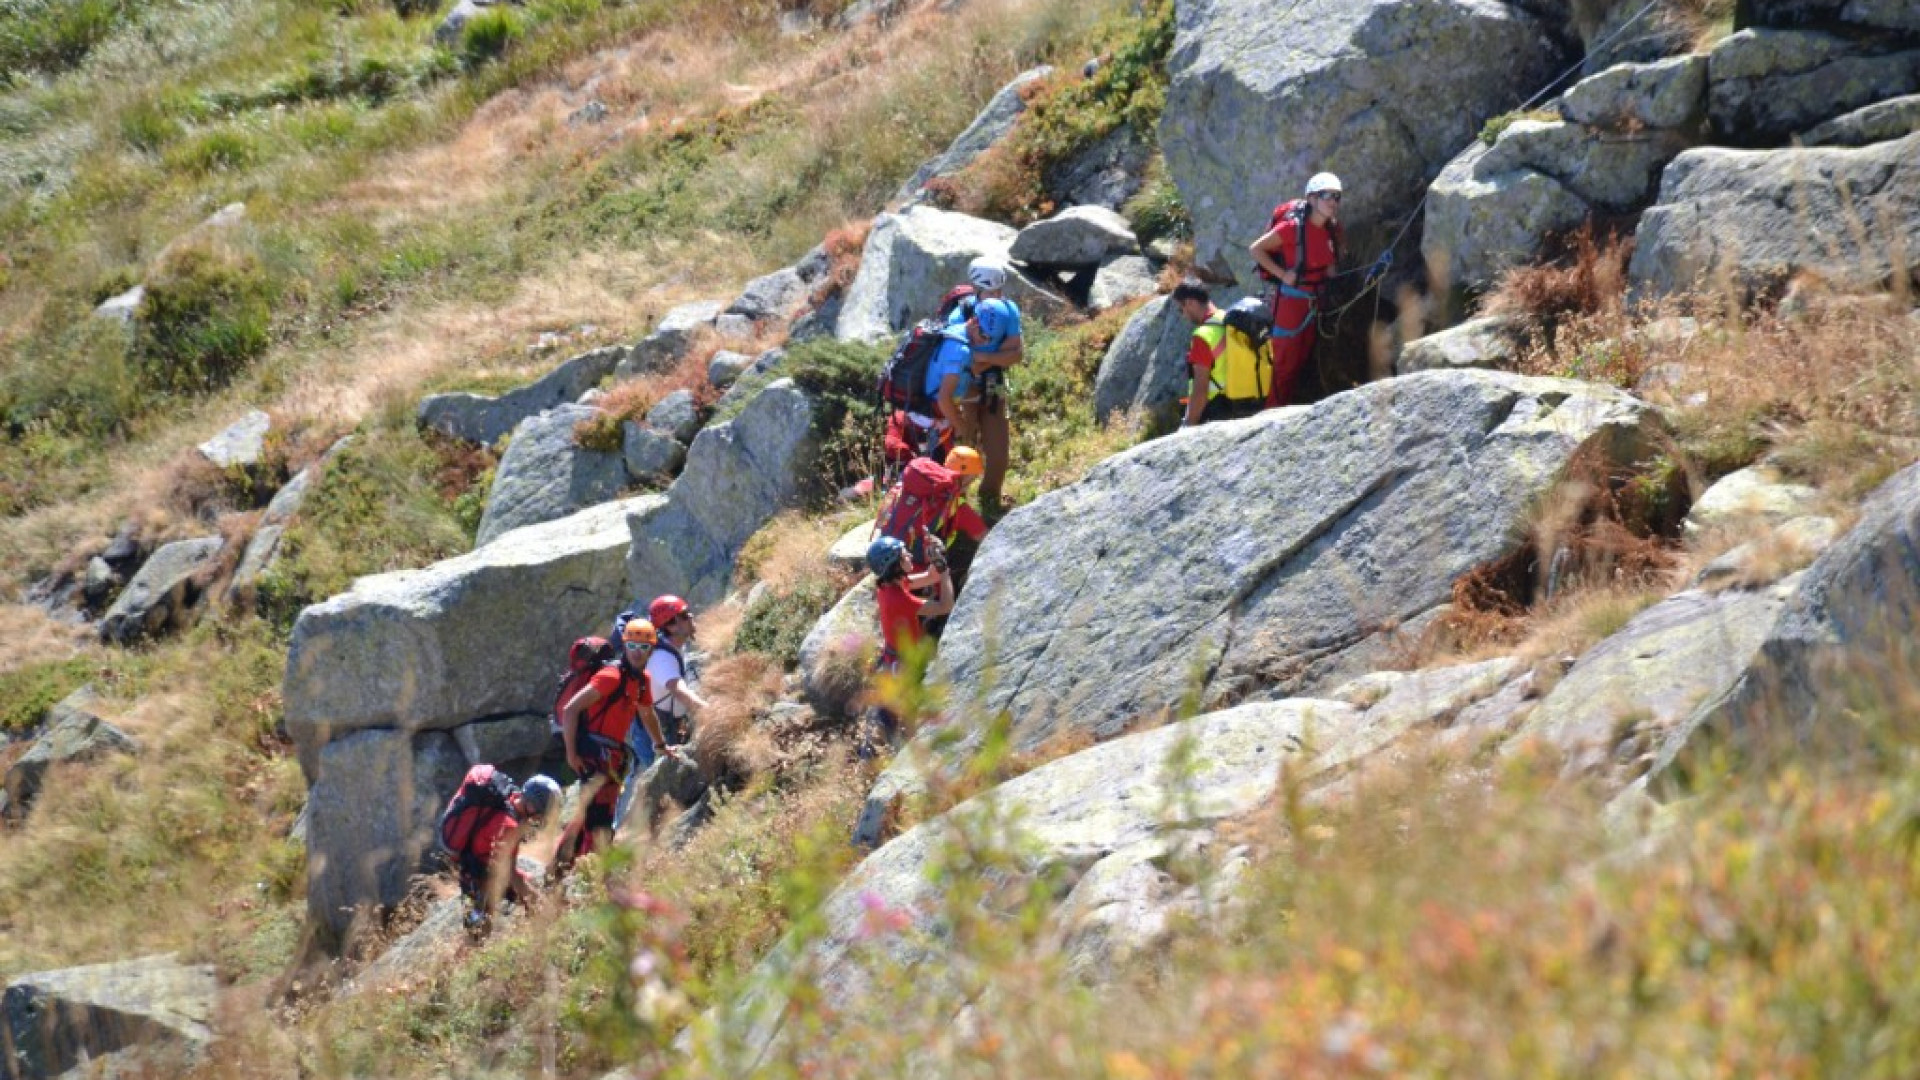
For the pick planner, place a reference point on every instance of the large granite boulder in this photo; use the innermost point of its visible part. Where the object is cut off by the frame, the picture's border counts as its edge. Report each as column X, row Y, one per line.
column 1613, row 171
column 241, row 445
column 1670, row 93
column 143, row 1017
column 774, row 297
column 913, row 258
column 473, row 636
column 661, row 349
column 1076, row 236
column 480, row 419
column 650, row 456
column 1760, row 217
column 1482, row 221
column 1838, row 649
column 1869, row 14
column 831, row 675
column 992, row 125
column 1739, row 500
column 74, row 734
column 371, row 811
column 545, row 474
column 1146, row 366
column 737, row 476
column 1765, row 86
column 166, row 592
column 1612, row 711
column 1274, row 555
column 1127, row 277
column 1066, row 817
column 1489, row 342
column 677, row 414
column 1354, row 101
column 1108, row 173
column 1894, row 118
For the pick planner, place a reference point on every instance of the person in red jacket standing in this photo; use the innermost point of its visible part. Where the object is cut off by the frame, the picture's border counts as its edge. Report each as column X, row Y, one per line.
column 1297, row 255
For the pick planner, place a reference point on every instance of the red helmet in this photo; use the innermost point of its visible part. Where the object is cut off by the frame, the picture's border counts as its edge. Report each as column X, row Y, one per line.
column 666, row 609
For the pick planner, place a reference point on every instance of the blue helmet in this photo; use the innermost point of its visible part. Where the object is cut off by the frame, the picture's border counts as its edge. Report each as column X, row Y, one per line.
column 884, row 556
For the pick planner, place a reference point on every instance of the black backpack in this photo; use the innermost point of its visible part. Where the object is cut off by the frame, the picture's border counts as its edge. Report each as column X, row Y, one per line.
column 903, row 382
column 1251, row 318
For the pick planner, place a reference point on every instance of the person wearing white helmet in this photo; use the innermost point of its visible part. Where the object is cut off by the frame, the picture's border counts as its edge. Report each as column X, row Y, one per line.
column 992, row 324
column 1296, row 255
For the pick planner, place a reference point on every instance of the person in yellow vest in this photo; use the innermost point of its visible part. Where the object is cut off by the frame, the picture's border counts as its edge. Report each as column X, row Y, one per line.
column 1231, row 372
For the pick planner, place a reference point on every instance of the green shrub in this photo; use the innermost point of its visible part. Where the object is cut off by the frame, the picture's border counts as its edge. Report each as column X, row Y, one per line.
column 487, row 36
column 147, row 126
column 777, row 622
column 53, row 35
column 205, row 317
column 226, row 149
column 1156, row 210
column 27, row 693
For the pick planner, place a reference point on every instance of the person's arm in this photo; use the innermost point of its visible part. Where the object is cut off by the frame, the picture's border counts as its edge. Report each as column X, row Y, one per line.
column 942, row 602
column 586, row 699
column 949, row 408
column 1263, row 251
column 678, row 688
column 1201, row 391
column 1011, row 352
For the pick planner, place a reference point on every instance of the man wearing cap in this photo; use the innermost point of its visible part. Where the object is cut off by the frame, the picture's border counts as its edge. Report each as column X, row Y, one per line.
column 1297, row 255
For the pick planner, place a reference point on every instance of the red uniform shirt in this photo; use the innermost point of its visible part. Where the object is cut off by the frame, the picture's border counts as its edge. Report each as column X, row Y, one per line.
column 487, row 837
column 1319, row 252
column 612, row 716
column 899, row 616
column 961, row 520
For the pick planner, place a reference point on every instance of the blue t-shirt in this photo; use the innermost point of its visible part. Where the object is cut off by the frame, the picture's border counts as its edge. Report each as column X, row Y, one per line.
column 954, row 358
column 999, row 320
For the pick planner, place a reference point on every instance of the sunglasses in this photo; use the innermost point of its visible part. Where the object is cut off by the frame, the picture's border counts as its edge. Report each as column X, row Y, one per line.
column 1333, row 195
column 637, row 646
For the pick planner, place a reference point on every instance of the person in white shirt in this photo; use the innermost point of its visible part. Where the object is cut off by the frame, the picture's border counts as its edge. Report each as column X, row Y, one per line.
column 675, row 701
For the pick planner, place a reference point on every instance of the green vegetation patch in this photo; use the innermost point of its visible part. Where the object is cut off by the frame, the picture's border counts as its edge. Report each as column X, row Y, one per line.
column 26, row 693
column 777, row 621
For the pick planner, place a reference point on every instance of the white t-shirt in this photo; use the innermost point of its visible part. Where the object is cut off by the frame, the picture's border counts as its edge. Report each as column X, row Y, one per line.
column 663, row 668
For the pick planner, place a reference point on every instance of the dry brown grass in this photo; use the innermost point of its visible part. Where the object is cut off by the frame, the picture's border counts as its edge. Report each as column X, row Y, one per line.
column 28, row 635
column 790, row 550
column 729, row 741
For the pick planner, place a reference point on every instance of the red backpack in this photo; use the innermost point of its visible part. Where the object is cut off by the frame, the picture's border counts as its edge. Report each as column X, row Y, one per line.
column 483, row 792
column 585, row 656
column 1299, row 211
column 918, row 501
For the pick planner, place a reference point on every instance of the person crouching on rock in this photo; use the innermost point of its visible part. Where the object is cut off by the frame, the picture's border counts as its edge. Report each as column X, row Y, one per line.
column 594, row 727
column 482, row 829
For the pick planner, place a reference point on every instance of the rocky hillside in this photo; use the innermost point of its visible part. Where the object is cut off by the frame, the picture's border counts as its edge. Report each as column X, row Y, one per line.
column 1532, row 700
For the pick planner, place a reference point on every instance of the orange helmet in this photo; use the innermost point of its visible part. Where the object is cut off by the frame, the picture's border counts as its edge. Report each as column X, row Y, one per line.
column 965, row 461
column 641, row 631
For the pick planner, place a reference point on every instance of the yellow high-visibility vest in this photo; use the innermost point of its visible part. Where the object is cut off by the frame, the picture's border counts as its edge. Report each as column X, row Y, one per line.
column 1240, row 372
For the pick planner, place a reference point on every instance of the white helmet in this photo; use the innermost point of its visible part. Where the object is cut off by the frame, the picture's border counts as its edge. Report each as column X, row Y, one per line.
column 987, row 275
column 1325, row 181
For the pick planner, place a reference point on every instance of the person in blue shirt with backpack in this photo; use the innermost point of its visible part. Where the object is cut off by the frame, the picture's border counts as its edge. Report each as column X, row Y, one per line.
column 950, row 375
column 992, row 325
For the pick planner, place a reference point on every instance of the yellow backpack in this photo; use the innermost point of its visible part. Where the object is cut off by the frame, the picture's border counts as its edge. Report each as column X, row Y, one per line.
column 1245, row 368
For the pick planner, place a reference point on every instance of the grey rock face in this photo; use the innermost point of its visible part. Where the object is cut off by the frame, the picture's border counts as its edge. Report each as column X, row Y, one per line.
column 1071, row 813
column 910, row 262
column 1266, row 553
column 1873, row 14
column 514, row 743
column 738, row 475
column 726, row 366
column 1361, row 110
column 778, row 295
column 1829, row 654
column 241, row 444
column 1482, row 222
column 1766, row 85
column 1119, row 280
column 1748, row 497
column 1076, row 236
column 1761, row 216
column 988, row 128
column 546, row 475
column 662, row 348
column 754, row 378
column 650, row 455
column 1669, row 93
column 1614, row 708
column 148, row 1014
column 164, row 594
column 74, row 734
column 264, row 546
column 123, row 307
column 372, row 808
column 1108, row 173
column 438, row 933
column 1146, row 366
column 468, row 637
column 483, row 420
column 1489, row 342
column 1894, row 118
column 848, row 630
column 1616, row 172
column 677, row 415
